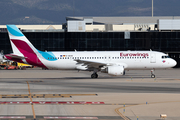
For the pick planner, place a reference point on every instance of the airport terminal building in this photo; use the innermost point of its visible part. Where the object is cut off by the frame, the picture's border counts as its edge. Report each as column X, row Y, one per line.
column 104, row 34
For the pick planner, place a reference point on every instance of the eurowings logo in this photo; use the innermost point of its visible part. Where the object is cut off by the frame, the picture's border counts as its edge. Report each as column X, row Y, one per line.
column 134, row 54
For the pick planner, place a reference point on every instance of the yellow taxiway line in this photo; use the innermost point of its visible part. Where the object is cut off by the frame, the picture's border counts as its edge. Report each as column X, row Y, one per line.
column 125, row 118
column 34, row 115
column 120, row 114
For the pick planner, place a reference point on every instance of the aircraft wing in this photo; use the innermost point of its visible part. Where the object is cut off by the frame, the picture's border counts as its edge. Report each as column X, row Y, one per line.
column 90, row 64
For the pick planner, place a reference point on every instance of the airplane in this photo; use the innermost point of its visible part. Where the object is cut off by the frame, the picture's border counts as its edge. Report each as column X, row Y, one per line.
column 2, row 60
column 112, row 62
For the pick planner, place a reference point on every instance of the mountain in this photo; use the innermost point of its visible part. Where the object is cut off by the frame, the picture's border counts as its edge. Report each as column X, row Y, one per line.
column 55, row 11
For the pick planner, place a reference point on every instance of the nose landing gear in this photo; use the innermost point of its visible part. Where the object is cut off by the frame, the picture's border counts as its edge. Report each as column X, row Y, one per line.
column 152, row 74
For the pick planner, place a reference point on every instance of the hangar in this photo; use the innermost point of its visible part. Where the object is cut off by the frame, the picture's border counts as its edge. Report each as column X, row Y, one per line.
column 104, row 34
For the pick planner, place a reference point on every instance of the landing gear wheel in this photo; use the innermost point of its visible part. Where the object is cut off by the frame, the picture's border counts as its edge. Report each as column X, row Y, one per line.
column 153, row 76
column 94, row 75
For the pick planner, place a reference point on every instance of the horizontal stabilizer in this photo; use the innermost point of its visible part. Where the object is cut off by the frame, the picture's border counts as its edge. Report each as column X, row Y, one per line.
column 15, row 56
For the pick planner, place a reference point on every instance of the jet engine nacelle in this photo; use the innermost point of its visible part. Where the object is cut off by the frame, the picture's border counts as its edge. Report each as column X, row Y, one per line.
column 114, row 70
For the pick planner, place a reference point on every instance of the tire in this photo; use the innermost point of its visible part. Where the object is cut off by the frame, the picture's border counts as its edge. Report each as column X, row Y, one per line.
column 153, row 76
column 93, row 76
column 96, row 75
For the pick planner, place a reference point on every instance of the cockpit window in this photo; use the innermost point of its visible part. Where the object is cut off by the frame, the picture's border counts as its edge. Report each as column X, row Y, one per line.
column 164, row 57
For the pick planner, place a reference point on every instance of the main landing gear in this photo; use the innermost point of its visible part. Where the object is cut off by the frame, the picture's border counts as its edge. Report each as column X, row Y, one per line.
column 152, row 74
column 94, row 75
column 124, row 72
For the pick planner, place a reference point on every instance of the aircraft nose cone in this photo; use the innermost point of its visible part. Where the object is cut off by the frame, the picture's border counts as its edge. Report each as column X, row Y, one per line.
column 174, row 63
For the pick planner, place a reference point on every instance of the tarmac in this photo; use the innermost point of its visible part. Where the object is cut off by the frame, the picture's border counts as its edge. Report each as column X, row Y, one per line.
column 62, row 94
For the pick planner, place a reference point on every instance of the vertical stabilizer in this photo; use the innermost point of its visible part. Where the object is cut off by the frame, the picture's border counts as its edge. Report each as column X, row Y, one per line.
column 21, row 46
column 19, row 42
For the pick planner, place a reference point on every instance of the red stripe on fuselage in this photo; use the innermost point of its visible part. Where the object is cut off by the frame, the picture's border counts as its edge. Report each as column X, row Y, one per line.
column 28, row 53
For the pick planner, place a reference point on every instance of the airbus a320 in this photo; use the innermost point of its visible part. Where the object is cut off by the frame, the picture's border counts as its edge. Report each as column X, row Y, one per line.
column 111, row 62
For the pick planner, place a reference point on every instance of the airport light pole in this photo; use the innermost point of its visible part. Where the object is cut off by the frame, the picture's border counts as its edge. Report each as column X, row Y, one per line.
column 152, row 8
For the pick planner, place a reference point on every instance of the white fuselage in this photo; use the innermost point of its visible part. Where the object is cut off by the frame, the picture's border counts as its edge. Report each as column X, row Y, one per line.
column 128, row 59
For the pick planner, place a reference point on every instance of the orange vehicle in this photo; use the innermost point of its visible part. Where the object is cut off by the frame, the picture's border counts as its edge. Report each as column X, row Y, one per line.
column 11, row 67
